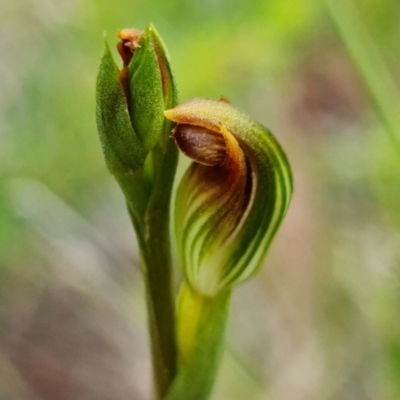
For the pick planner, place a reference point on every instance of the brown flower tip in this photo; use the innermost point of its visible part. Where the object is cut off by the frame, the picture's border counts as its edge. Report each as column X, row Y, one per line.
column 130, row 38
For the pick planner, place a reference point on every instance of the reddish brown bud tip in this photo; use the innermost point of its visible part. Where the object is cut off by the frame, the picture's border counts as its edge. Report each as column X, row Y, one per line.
column 130, row 38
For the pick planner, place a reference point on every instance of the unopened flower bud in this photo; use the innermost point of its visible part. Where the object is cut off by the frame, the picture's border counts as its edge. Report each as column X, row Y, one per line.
column 131, row 101
column 134, row 133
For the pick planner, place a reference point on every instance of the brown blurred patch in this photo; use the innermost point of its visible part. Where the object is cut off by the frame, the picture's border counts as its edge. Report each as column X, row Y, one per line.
column 72, row 348
column 326, row 89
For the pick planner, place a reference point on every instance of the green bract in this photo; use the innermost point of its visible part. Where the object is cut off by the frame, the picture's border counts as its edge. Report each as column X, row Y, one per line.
column 130, row 105
column 233, row 197
column 122, row 147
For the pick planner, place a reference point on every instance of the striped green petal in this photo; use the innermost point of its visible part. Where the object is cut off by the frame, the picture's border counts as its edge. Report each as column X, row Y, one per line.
column 233, row 197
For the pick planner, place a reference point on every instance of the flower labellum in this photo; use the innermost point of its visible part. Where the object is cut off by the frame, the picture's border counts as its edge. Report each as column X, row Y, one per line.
column 233, row 197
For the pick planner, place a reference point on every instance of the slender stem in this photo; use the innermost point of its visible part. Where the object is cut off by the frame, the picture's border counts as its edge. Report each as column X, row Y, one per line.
column 157, row 271
column 156, row 268
column 153, row 232
column 201, row 326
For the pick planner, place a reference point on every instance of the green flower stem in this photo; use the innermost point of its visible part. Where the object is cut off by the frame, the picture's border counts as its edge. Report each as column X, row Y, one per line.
column 153, row 231
column 150, row 215
column 157, row 270
column 201, row 328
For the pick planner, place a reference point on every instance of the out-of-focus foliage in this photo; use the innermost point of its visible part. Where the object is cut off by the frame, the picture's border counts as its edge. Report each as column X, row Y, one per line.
column 321, row 320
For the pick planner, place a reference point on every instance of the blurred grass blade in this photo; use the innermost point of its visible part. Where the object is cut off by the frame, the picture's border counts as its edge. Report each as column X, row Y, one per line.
column 371, row 66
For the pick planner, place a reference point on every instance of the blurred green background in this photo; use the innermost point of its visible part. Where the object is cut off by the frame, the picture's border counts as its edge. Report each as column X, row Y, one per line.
column 322, row 319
